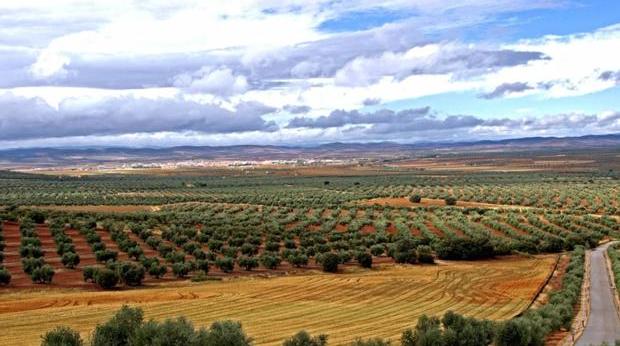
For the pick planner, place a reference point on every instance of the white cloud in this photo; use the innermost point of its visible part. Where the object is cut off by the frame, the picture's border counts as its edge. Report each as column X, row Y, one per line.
column 221, row 81
column 574, row 66
column 50, row 64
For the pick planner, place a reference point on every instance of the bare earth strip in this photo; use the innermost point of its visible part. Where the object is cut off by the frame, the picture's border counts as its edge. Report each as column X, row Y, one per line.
column 360, row 303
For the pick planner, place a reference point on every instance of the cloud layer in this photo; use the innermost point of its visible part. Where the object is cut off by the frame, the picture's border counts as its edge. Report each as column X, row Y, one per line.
column 123, row 115
column 296, row 71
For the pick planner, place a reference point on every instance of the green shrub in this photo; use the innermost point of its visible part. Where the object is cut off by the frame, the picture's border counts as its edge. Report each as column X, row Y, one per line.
column 89, row 273
column 119, row 329
column 157, row 270
column 135, row 252
column 303, row 338
column 30, row 250
column 43, row 274
column 70, row 259
column 226, row 264
column 298, row 259
column 371, row 342
column 63, row 248
column 404, row 250
column 364, row 259
column 106, row 278
column 270, row 261
column 170, row 332
column 62, row 336
column 330, row 262
column 203, row 265
column 180, row 269
column 226, row 333
column 450, row 200
column 248, row 263
column 272, row 246
column 415, row 199
column 5, row 276
column 131, row 273
column 106, row 255
column 471, row 248
column 425, row 254
column 377, row 250
column 30, row 264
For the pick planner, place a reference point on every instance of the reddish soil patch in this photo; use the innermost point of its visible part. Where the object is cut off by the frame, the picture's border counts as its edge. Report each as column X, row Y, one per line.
column 416, row 232
column 434, row 229
column 313, row 227
column 291, row 225
column 368, row 229
column 341, row 227
column 391, row 228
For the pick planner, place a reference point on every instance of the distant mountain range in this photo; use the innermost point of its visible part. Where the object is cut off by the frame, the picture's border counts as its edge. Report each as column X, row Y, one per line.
column 50, row 157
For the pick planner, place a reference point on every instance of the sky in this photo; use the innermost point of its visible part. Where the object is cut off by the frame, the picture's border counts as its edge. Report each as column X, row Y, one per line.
column 155, row 73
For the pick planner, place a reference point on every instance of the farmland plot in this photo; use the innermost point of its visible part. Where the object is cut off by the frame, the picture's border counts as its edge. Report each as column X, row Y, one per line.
column 380, row 302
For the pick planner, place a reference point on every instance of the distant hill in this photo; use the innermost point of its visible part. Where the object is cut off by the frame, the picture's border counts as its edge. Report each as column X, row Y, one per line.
column 49, row 157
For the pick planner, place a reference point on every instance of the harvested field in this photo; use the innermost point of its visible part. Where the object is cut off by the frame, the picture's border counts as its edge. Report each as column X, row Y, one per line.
column 380, row 302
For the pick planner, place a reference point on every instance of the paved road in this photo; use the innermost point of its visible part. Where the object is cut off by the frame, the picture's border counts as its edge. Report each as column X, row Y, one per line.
column 603, row 324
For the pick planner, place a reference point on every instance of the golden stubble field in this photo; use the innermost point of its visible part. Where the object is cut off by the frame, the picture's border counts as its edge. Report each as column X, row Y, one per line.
column 360, row 303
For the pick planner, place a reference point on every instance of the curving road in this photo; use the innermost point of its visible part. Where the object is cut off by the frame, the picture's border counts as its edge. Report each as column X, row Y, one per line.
column 603, row 323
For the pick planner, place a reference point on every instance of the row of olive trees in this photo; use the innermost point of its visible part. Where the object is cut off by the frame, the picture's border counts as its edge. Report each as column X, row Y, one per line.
column 5, row 276
column 33, row 262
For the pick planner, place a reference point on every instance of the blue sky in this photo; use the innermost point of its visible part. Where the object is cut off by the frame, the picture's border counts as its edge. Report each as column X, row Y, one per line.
column 146, row 73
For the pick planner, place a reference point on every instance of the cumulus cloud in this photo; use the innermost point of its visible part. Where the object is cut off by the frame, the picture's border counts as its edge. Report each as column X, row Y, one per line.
column 220, row 81
column 24, row 118
column 430, row 59
column 50, row 64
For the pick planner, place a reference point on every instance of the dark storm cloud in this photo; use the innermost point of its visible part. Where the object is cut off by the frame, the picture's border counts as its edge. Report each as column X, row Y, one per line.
column 372, row 101
column 610, row 76
column 505, row 89
column 340, row 118
column 296, row 109
column 385, row 122
column 427, row 123
column 27, row 118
